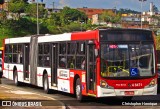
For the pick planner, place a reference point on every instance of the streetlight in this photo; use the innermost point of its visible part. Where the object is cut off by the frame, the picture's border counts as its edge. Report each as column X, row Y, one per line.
column 141, row 11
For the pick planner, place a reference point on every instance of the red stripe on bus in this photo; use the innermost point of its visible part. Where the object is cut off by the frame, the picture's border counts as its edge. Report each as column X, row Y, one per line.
column 42, row 75
column 19, row 71
column 29, row 72
column 84, row 35
column 63, row 78
column 39, row 75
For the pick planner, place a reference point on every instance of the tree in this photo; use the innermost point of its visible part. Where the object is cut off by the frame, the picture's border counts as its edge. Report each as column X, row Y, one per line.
column 158, row 42
column 3, row 16
column 26, row 1
column 156, row 18
column 55, row 17
column 1, row 2
column 126, row 11
column 70, row 15
column 31, row 10
column 16, row 7
column 110, row 16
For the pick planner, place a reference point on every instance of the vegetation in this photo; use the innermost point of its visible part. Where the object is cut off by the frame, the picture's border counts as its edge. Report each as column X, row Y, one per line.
column 125, row 11
column 21, row 20
column 158, row 42
column 110, row 16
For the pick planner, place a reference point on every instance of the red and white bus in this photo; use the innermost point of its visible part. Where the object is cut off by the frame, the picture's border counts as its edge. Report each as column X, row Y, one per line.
column 99, row 63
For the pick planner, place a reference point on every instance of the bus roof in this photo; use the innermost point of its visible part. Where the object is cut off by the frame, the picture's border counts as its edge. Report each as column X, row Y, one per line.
column 87, row 35
column 123, row 29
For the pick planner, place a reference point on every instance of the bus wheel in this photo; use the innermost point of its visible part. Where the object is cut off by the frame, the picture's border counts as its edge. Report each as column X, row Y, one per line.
column 78, row 90
column 16, row 79
column 46, row 84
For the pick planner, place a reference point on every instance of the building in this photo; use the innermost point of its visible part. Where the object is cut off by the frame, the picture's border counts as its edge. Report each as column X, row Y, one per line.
column 93, row 14
column 4, row 6
column 93, row 11
column 55, row 10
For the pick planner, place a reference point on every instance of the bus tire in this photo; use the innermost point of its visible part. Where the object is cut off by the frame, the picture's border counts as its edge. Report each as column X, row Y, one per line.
column 46, row 84
column 16, row 78
column 78, row 90
column 1, row 73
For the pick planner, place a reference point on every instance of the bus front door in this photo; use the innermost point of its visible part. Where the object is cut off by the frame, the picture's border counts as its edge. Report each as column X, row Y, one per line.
column 54, row 55
column 91, row 69
column 26, row 61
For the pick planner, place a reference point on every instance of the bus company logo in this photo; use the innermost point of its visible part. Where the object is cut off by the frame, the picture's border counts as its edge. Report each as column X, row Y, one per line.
column 63, row 74
column 6, row 103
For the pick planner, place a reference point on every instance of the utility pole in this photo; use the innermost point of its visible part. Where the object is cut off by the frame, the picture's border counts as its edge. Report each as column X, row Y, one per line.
column 37, row 19
column 142, row 11
column 53, row 6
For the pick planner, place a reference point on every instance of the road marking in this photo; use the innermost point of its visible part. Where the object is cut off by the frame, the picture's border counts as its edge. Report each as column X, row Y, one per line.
column 19, row 92
column 24, row 92
column 6, row 87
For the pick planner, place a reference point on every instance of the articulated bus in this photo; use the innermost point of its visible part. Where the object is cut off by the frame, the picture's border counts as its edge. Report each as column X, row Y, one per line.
column 99, row 63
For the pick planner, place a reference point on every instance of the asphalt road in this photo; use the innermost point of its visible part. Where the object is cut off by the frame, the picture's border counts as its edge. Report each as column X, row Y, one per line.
column 142, row 102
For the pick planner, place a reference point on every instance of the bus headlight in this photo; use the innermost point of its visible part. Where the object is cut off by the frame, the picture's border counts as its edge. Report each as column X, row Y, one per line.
column 104, row 84
column 152, row 83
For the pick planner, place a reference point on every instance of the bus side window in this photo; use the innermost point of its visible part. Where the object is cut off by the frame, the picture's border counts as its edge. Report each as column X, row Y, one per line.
column 81, row 48
column 19, row 53
column 6, row 59
column 80, row 62
column 10, row 58
column 71, row 50
column 62, row 62
column 70, row 62
column 83, row 64
column 62, row 48
column 9, row 53
column 40, row 61
column 62, row 55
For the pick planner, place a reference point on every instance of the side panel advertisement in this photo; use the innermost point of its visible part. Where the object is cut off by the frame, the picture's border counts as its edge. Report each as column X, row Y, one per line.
column 63, row 80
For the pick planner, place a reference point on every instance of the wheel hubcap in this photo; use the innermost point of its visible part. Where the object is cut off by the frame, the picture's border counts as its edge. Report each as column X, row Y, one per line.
column 45, row 84
column 15, row 79
column 78, row 90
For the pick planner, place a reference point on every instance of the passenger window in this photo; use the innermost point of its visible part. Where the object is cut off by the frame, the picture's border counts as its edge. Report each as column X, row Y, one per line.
column 62, row 61
column 40, row 49
column 80, row 48
column 62, row 49
column 46, row 48
column 71, row 62
column 15, row 49
column 80, row 62
column 71, row 48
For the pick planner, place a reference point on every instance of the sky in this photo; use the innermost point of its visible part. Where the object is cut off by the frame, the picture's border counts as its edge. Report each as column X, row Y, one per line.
column 106, row 4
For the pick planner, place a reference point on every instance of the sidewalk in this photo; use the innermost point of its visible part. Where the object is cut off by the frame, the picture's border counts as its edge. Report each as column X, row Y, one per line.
column 19, row 99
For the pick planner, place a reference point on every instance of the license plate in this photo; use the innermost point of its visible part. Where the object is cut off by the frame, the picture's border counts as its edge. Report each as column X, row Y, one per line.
column 129, row 92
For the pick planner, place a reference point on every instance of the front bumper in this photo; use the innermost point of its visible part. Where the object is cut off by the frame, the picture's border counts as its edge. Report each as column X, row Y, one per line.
column 103, row 92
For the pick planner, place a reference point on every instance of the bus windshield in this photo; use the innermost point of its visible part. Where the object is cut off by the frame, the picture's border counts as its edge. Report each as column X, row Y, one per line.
column 127, row 60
